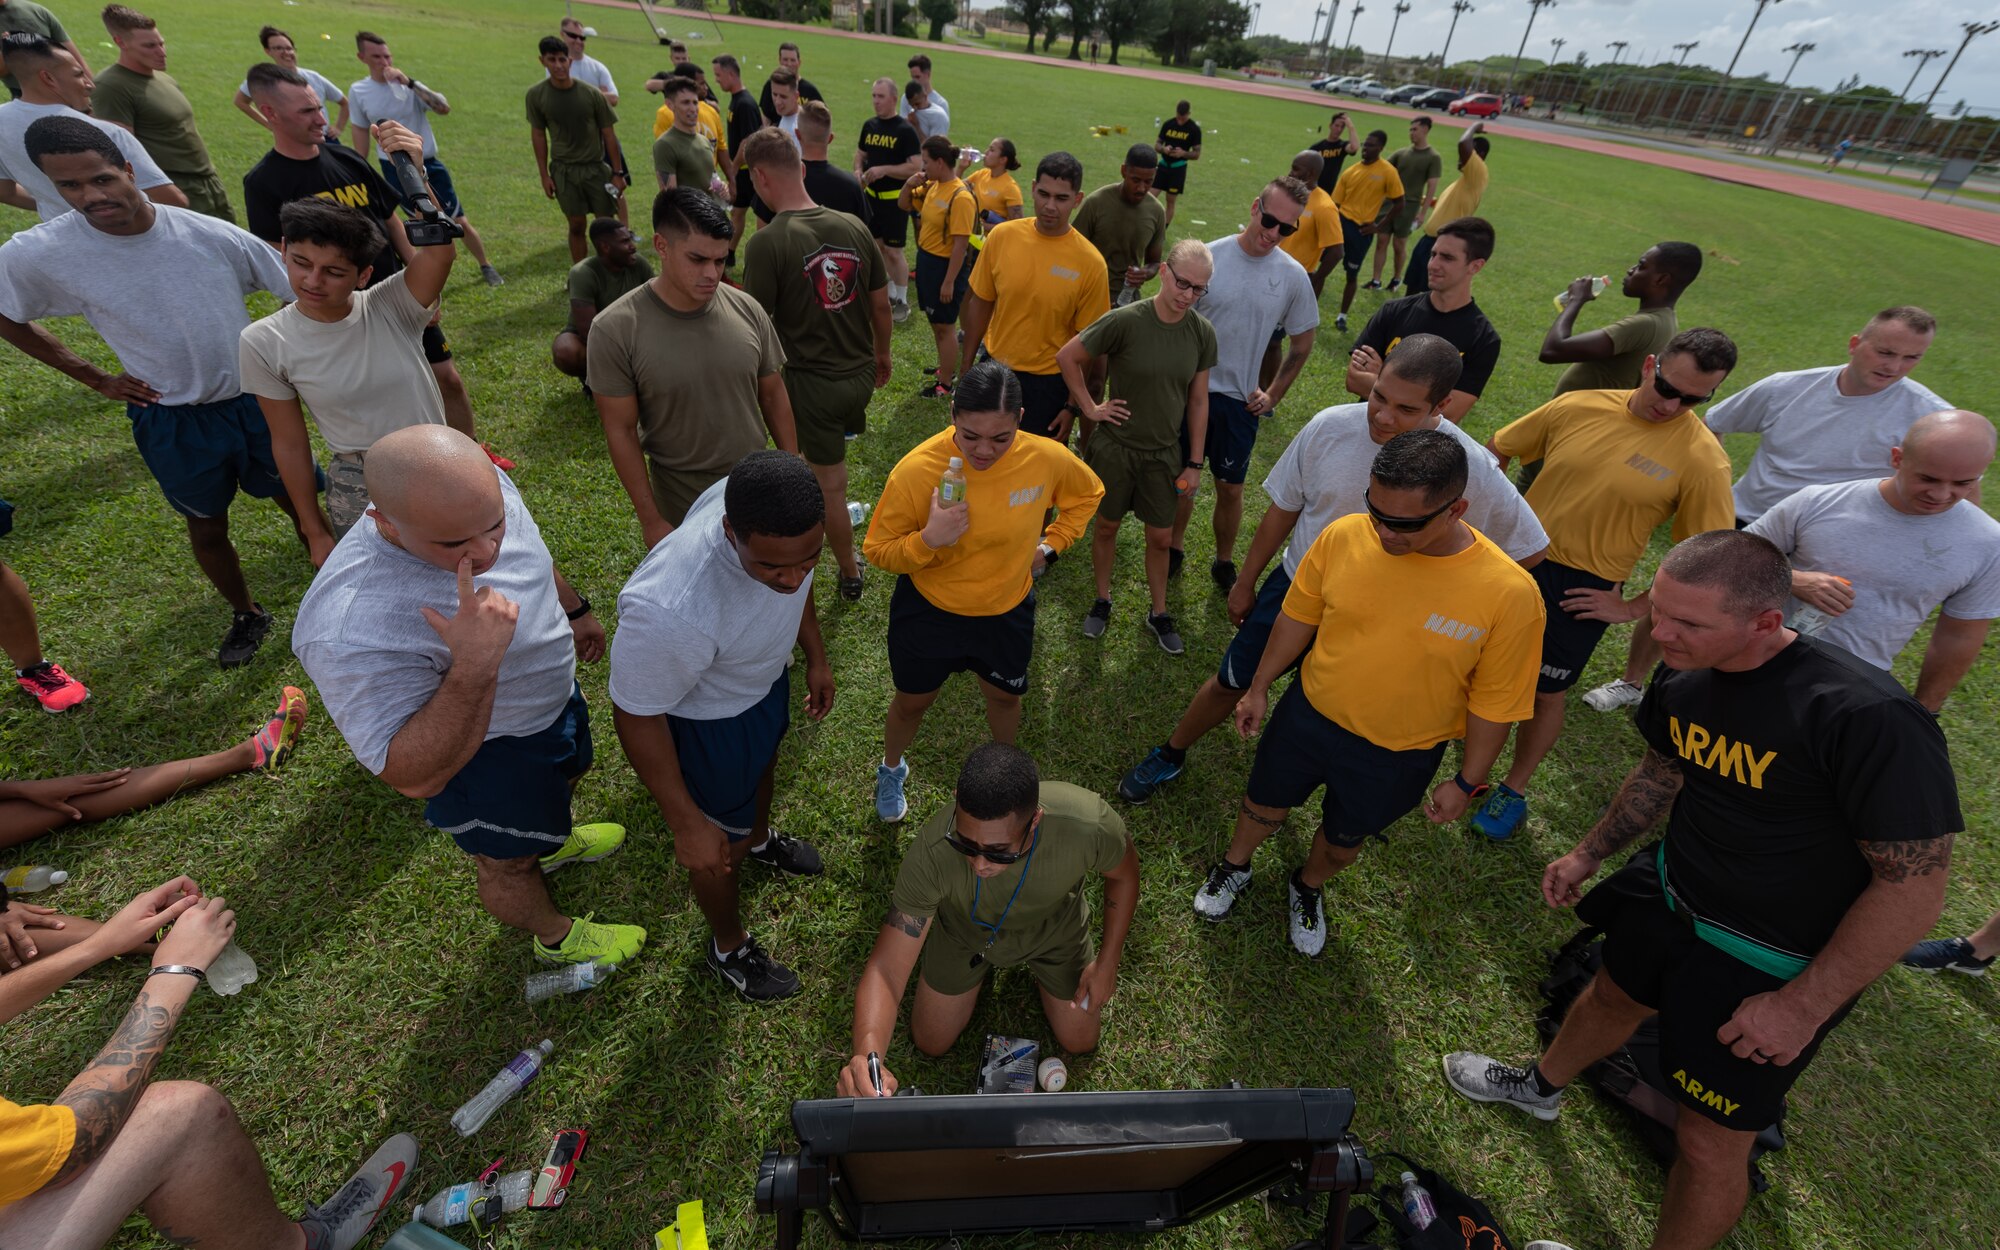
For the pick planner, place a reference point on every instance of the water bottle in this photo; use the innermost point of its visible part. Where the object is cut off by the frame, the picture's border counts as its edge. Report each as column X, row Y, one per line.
column 1809, row 620
column 512, row 1079
column 568, row 980
column 857, row 512
column 1597, row 286
column 972, row 155
column 453, row 1204
column 32, row 878
column 951, row 487
column 1417, row 1204
column 231, row 970
column 1129, row 293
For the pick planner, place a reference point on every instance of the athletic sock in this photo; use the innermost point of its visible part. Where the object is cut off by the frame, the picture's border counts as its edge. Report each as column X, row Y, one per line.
column 1172, row 754
column 1542, row 1085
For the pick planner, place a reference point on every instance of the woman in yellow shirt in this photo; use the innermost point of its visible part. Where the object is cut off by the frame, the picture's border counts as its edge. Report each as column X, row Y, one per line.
column 965, row 591
column 945, row 214
column 993, row 185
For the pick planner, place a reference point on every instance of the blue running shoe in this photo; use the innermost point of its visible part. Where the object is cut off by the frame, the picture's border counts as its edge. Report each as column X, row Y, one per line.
column 1502, row 814
column 1147, row 776
column 890, row 804
column 1947, row 955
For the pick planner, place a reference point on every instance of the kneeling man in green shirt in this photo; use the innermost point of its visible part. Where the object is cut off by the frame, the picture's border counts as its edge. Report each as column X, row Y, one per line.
column 1035, row 842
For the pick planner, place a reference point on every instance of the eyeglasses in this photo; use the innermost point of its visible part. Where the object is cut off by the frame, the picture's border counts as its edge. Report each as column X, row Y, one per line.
column 1285, row 229
column 973, row 850
column 1403, row 524
column 1185, row 285
column 1668, row 390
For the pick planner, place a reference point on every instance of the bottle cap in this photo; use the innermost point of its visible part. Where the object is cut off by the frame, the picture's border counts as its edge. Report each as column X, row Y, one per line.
column 1409, row 1178
column 59, row 876
column 956, row 463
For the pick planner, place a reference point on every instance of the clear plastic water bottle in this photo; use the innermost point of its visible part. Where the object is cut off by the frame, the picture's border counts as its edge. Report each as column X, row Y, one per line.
column 452, row 1205
column 1417, row 1204
column 1597, row 286
column 568, row 980
column 511, row 1080
column 951, row 487
column 1129, row 293
column 231, row 970
column 857, row 512
column 32, row 878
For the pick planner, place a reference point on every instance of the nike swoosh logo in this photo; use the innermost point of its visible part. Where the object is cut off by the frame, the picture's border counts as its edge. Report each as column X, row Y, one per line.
column 395, row 1183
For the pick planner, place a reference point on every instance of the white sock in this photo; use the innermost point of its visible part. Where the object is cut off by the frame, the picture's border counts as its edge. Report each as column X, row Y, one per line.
column 898, row 292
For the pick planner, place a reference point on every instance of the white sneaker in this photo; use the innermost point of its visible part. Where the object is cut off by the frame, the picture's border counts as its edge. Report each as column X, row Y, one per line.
column 1613, row 695
column 1485, row 1079
column 1306, row 917
column 1218, row 894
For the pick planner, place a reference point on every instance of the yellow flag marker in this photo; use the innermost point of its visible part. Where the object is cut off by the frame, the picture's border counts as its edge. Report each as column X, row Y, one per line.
column 687, row 1232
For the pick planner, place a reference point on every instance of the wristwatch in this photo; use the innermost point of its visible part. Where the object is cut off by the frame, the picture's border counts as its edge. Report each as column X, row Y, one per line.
column 1471, row 790
column 1192, row 464
column 582, row 608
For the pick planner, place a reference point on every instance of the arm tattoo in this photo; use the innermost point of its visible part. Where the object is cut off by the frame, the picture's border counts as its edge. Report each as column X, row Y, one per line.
column 1645, row 796
column 1269, row 822
column 903, row 922
column 102, row 1097
column 1897, row 862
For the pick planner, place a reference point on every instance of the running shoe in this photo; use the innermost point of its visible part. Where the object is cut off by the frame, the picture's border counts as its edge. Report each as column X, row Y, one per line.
column 899, row 310
column 1484, row 1079
column 1306, row 914
column 1502, row 813
column 246, row 634
column 53, row 688
column 1226, row 882
column 789, row 855
column 586, row 845
column 1223, row 573
column 492, row 276
column 1340, row 322
column 274, row 743
column 1164, row 631
column 1098, row 619
column 752, row 973
column 934, row 390
column 1613, row 695
column 1146, row 777
column 1373, row 284
column 588, row 940
column 343, row 1221
column 1393, row 284
column 850, row 588
column 890, row 805
column 500, row 462
column 1947, row 954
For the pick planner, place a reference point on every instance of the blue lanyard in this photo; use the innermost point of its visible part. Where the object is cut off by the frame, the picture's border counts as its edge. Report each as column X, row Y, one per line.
column 993, row 930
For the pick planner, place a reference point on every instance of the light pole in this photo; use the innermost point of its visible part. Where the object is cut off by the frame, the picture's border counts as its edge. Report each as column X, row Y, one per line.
column 1534, row 8
column 1798, row 51
column 1402, row 7
column 1731, row 71
column 1353, row 16
column 1617, row 47
column 1973, row 30
column 1458, row 9
column 1255, row 11
column 1684, row 49
column 1924, row 57
column 1679, row 87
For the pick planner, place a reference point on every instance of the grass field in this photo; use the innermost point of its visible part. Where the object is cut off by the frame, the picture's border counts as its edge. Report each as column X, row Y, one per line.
column 387, row 997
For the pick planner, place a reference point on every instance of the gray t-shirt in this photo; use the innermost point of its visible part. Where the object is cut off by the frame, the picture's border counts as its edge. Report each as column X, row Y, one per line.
column 365, row 642
column 1248, row 299
column 698, row 637
column 362, row 376
column 1812, row 434
column 1323, row 474
column 15, row 119
column 329, row 94
column 591, row 70
column 1901, row 566
column 369, row 102
column 169, row 301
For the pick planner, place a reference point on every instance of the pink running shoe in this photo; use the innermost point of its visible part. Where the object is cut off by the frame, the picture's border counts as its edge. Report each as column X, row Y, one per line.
column 274, row 743
column 53, row 688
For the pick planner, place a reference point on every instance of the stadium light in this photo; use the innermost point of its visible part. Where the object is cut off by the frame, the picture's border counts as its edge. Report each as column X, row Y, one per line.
column 1924, row 57
column 1534, row 8
column 1458, row 9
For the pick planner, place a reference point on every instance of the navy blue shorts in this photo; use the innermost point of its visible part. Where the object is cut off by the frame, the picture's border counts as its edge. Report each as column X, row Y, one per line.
column 1232, row 436
column 1246, row 649
column 511, row 799
column 928, row 644
column 1368, row 787
column 1043, row 397
column 202, row 454
column 723, row 762
column 1567, row 640
column 440, row 180
column 1353, row 245
column 930, row 276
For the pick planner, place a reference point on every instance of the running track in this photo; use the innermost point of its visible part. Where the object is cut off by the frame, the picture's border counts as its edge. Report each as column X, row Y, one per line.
column 1968, row 223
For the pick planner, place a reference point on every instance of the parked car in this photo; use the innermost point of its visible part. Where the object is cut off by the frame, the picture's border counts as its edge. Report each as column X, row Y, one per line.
column 1345, row 84
column 1324, row 82
column 1484, row 104
column 1408, row 94
column 1371, row 89
column 1436, row 98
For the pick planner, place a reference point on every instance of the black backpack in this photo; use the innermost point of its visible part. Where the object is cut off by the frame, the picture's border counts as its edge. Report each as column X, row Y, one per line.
column 1463, row 1222
column 1631, row 1075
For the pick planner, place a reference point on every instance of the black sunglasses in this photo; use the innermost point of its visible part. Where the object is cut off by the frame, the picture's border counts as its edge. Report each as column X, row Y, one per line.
column 1403, row 524
column 1668, row 390
column 973, row 850
column 1285, row 229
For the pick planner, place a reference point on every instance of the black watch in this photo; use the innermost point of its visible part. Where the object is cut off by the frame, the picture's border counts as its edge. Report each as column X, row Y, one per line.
column 582, row 608
column 1193, row 464
column 1470, row 789
column 1071, row 408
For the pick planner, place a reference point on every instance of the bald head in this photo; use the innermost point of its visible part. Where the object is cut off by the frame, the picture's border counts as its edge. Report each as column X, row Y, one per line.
column 1306, row 167
column 1952, row 432
column 1942, row 458
column 434, row 493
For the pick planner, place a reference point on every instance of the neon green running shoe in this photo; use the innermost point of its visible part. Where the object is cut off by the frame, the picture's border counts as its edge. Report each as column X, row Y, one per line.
column 587, row 844
column 588, row 940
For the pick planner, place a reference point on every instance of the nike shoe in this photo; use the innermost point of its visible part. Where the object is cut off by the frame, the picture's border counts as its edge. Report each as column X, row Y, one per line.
column 588, row 941
column 342, row 1221
column 789, row 855
column 1164, row 631
column 1484, row 1079
column 586, row 845
column 890, row 805
column 273, row 744
column 1613, row 695
column 753, row 974
column 1947, row 955
column 53, row 688
column 1146, row 777
column 246, row 634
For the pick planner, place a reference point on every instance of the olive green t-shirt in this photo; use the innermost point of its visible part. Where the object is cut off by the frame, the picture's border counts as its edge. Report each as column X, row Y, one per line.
column 1080, row 836
column 597, row 284
column 1416, row 169
column 688, row 158
column 1121, row 232
column 153, row 107
column 695, row 376
column 574, row 119
column 29, row 18
column 1151, row 367
column 1644, row 333
column 813, row 271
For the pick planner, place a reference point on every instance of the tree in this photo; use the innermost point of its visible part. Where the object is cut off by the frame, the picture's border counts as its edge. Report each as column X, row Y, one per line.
column 1188, row 24
column 1035, row 15
column 901, row 14
column 1230, row 53
column 786, row 10
column 1125, row 21
column 938, row 13
column 1082, row 20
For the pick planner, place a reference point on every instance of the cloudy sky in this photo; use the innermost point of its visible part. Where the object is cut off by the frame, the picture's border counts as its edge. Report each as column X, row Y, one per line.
column 1853, row 37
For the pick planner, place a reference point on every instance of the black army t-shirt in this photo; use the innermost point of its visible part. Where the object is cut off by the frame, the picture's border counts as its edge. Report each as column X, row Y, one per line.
column 1465, row 328
column 339, row 174
column 743, row 121
column 887, row 141
column 1786, row 767
column 1333, row 154
column 1181, row 134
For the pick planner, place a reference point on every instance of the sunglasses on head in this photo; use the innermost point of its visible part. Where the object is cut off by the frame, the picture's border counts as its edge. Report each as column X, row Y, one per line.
column 1285, row 229
column 1403, row 524
column 1668, row 390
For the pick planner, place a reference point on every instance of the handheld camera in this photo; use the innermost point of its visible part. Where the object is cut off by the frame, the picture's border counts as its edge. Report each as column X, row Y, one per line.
column 431, row 227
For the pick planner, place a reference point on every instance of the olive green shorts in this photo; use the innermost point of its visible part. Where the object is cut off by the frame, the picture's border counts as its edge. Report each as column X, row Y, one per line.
column 581, row 189
column 206, row 195
column 1057, row 964
column 1406, row 219
column 826, row 410
column 1139, row 482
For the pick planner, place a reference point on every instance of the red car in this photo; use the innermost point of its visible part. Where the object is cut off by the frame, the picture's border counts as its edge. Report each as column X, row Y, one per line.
column 1475, row 106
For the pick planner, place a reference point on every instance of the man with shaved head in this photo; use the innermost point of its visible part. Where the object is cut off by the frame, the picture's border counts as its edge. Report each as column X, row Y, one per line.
column 1874, row 558
column 444, row 644
column 887, row 154
column 1316, row 246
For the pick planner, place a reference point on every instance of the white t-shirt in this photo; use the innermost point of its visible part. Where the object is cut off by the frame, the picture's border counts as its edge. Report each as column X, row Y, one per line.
column 169, row 301
column 1902, row 566
column 15, row 119
column 789, row 127
column 698, row 637
column 364, row 640
column 369, row 102
column 322, row 86
column 591, row 70
column 1248, row 299
column 1323, row 474
column 929, row 120
column 1813, row 434
column 937, row 102
column 362, row 376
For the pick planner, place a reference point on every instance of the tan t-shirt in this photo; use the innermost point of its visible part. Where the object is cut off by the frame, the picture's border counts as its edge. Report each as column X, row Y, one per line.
column 695, row 376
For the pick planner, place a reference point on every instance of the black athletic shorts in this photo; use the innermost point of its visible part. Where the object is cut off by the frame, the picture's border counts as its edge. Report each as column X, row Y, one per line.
column 1042, row 398
column 886, row 221
column 437, row 349
column 1368, row 787
column 1567, row 640
column 1653, row 955
column 1171, row 178
column 928, row 644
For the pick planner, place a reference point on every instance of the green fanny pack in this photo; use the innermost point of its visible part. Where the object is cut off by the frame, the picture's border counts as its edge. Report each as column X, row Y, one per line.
column 1779, row 963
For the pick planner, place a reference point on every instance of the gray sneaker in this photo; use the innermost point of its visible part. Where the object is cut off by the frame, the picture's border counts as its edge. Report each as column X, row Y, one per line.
column 1306, row 918
column 899, row 310
column 1485, row 1079
column 492, row 276
column 1100, row 616
column 1161, row 626
column 344, row 1220
column 1218, row 894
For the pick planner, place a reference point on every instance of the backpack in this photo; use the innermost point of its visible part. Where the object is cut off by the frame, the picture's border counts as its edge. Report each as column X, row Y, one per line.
column 1632, row 1075
column 1463, row 1222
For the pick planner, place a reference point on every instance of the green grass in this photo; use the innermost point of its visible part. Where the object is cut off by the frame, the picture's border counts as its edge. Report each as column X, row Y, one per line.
column 388, row 997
